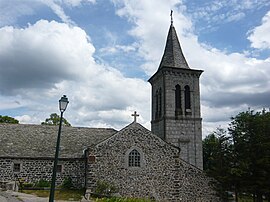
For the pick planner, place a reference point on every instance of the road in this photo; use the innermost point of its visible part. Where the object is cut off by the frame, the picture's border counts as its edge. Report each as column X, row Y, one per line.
column 8, row 197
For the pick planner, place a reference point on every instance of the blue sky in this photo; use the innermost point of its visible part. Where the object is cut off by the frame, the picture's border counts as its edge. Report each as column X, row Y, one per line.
column 100, row 53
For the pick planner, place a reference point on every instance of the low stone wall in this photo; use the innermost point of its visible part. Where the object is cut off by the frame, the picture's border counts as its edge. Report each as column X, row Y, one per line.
column 33, row 170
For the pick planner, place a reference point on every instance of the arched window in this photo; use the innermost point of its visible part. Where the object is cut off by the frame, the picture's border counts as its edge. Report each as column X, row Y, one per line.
column 156, row 100
column 187, row 99
column 159, row 103
column 134, row 159
column 177, row 97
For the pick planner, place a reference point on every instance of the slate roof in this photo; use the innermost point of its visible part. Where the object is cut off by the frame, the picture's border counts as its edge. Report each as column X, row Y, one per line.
column 21, row 140
column 135, row 128
column 173, row 55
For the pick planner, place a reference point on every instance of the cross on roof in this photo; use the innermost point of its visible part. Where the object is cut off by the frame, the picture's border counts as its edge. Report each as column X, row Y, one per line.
column 171, row 17
column 135, row 116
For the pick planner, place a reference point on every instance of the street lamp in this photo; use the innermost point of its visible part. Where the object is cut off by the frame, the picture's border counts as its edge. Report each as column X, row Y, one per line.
column 63, row 102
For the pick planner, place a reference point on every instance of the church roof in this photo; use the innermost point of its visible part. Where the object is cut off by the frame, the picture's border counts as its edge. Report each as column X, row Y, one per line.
column 21, row 140
column 173, row 55
column 135, row 129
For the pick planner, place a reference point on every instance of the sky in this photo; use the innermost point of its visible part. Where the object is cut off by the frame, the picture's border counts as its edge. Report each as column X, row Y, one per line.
column 101, row 53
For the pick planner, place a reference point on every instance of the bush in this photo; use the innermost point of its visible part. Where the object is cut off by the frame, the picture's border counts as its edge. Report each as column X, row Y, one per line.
column 67, row 183
column 27, row 184
column 104, row 188
column 122, row 200
column 24, row 184
column 43, row 183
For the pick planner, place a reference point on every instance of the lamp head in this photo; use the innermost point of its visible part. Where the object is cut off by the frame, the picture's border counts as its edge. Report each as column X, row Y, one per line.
column 63, row 102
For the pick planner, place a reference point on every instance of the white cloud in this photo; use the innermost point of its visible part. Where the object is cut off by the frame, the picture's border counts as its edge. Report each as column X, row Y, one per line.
column 148, row 21
column 23, row 119
column 75, row 3
column 49, row 59
column 57, row 7
column 214, row 13
column 58, row 10
column 9, row 13
column 35, row 55
column 45, row 60
column 119, row 48
column 260, row 35
column 230, row 83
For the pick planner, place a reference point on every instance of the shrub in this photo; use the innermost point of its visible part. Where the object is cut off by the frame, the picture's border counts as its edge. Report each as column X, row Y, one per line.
column 104, row 188
column 122, row 200
column 67, row 183
column 27, row 184
column 43, row 183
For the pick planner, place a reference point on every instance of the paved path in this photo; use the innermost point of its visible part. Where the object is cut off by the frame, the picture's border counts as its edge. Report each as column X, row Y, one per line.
column 3, row 199
column 10, row 196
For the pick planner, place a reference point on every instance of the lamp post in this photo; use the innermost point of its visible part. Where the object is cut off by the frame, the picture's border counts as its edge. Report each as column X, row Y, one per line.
column 63, row 102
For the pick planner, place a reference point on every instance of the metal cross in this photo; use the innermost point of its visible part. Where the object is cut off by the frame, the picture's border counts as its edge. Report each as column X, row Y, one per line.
column 135, row 116
column 171, row 17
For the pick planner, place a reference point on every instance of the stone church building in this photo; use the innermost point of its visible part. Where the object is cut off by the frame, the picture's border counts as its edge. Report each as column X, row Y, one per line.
column 164, row 164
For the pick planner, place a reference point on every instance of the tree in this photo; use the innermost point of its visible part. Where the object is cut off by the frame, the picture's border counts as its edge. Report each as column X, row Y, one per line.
column 217, row 159
column 8, row 119
column 240, row 159
column 250, row 132
column 55, row 120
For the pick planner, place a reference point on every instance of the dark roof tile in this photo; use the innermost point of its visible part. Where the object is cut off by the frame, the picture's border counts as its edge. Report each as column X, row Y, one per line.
column 21, row 140
column 173, row 55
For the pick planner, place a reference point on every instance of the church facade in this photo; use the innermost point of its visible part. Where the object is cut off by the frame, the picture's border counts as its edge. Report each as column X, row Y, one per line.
column 164, row 164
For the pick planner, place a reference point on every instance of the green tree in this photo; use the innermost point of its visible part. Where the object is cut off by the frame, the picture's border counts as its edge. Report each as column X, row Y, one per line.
column 240, row 159
column 55, row 120
column 8, row 119
column 217, row 149
column 250, row 132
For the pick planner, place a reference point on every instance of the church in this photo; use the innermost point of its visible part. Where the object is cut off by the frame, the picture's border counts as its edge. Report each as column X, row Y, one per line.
column 164, row 164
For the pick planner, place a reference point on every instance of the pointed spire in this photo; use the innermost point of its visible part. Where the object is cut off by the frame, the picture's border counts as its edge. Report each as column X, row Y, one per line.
column 173, row 55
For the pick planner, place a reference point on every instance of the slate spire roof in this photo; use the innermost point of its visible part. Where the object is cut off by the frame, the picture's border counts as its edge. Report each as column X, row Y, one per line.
column 173, row 55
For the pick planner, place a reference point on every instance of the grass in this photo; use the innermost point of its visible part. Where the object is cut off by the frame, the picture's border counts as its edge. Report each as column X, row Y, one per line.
column 122, row 200
column 247, row 199
column 75, row 195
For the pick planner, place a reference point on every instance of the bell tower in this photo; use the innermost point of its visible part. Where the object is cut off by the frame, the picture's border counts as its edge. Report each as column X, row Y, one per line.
column 176, row 115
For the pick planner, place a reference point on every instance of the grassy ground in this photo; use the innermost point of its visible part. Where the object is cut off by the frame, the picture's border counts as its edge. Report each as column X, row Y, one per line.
column 75, row 195
column 121, row 200
column 247, row 199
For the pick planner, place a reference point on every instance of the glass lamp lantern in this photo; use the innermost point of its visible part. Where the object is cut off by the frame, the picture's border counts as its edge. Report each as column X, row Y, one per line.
column 63, row 102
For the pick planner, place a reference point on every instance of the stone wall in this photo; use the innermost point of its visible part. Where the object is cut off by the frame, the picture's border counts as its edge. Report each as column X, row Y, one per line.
column 162, row 174
column 32, row 170
column 182, row 129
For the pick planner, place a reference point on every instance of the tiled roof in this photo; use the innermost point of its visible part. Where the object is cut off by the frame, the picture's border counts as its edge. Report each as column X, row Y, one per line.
column 20, row 140
column 137, row 129
column 173, row 55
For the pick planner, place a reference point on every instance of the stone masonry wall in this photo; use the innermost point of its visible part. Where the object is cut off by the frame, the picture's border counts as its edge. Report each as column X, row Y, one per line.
column 158, row 123
column 162, row 174
column 184, row 130
column 32, row 170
